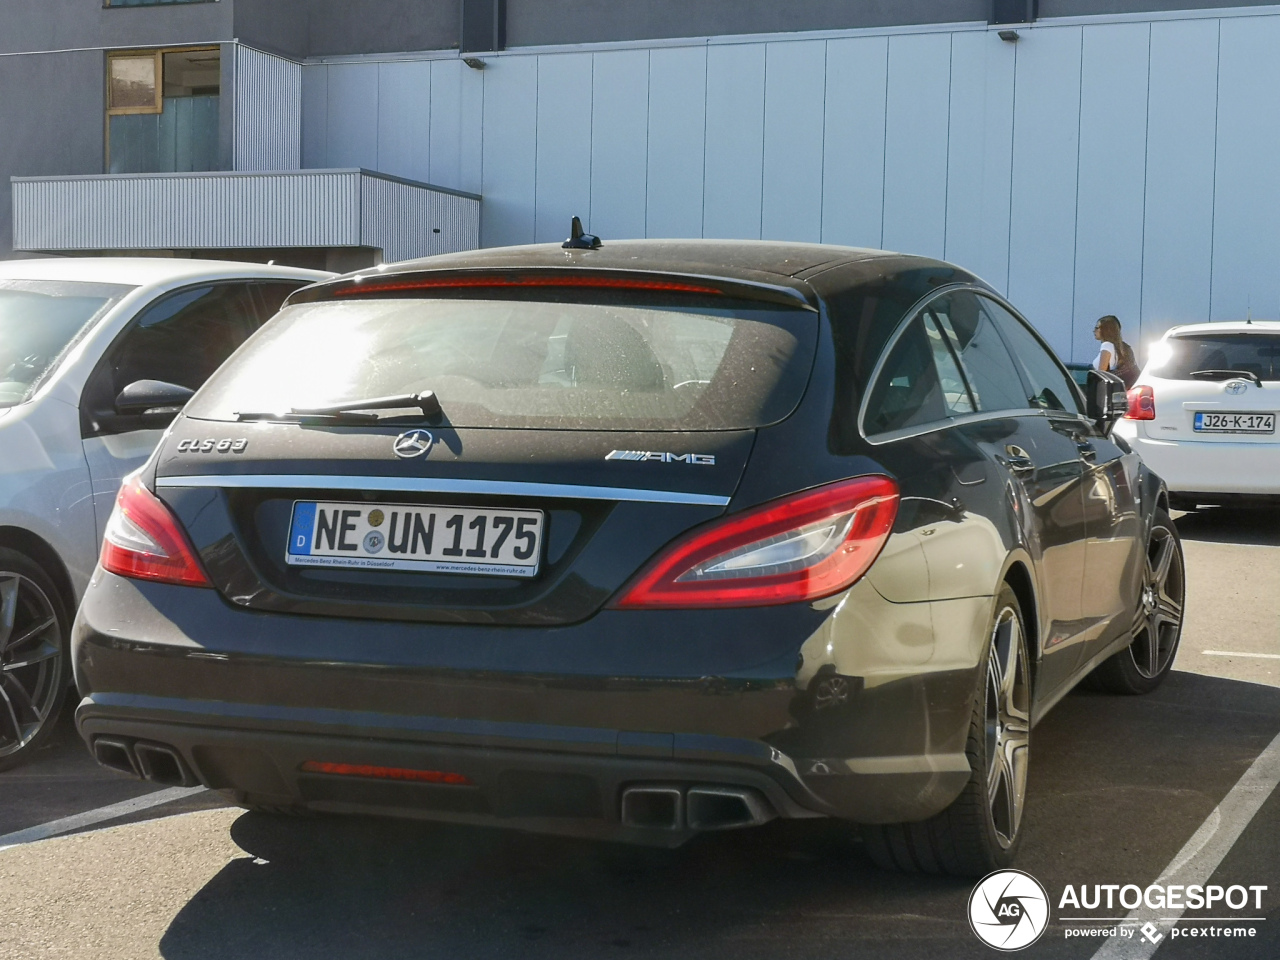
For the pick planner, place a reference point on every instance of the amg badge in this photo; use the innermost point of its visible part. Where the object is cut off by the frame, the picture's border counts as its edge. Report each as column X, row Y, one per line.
column 661, row 456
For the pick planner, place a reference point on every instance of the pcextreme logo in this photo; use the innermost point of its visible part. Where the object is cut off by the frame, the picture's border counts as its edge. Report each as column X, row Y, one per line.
column 1008, row 910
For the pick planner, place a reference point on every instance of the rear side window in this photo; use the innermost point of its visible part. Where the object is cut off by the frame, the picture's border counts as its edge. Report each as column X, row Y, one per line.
column 530, row 364
column 1048, row 385
column 1258, row 354
column 978, row 350
column 908, row 392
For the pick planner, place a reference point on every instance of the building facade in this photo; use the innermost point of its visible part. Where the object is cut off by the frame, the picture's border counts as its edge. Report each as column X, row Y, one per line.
column 1084, row 156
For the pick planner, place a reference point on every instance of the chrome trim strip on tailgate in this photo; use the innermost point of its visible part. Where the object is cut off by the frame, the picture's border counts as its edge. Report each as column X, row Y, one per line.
column 440, row 485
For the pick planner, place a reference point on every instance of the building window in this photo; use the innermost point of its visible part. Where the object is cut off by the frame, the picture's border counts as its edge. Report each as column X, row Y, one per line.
column 162, row 110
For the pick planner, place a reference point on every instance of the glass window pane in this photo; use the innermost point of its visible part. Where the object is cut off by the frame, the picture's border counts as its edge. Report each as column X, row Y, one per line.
column 993, row 378
column 1251, row 352
column 40, row 320
column 908, row 392
column 955, row 393
column 133, row 82
column 1050, row 386
column 530, row 364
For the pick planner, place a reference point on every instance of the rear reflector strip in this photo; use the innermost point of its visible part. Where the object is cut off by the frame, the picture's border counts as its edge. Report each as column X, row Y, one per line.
column 387, row 773
column 358, row 289
column 503, row 488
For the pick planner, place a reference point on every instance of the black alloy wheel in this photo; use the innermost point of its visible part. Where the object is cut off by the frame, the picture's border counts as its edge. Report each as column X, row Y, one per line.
column 1157, row 623
column 982, row 829
column 33, row 678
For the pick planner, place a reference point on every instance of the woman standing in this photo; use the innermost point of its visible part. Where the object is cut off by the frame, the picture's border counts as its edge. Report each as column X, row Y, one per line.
column 1114, row 354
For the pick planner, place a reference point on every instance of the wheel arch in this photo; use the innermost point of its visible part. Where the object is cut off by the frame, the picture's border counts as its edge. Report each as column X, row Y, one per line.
column 1017, row 574
column 43, row 554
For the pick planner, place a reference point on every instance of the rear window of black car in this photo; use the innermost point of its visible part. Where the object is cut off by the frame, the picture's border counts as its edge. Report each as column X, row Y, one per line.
column 1254, row 353
column 646, row 365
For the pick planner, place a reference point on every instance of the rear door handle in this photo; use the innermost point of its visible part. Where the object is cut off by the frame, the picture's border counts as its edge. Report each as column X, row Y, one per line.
column 1087, row 450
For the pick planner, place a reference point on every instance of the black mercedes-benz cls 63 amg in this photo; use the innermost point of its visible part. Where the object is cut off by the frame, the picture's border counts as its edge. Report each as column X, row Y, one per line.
column 632, row 542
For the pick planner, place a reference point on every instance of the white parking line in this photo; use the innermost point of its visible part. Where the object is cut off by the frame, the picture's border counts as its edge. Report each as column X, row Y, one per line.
column 1228, row 653
column 90, row 817
column 1201, row 855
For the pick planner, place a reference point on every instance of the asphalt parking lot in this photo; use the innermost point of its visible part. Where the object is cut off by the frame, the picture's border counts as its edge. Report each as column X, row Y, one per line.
column 1119, row 786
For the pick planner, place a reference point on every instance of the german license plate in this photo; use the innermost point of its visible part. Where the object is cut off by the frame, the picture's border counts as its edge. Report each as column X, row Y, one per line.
column 398, row 536
column 1235, row 423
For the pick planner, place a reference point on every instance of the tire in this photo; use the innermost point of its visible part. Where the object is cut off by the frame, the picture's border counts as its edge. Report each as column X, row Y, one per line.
column 982, row 829
column 34, row 626
column 1157, row 627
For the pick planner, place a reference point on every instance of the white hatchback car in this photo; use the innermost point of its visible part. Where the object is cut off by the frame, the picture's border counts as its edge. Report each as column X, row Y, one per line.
column 1203, row 413
column 97, row 355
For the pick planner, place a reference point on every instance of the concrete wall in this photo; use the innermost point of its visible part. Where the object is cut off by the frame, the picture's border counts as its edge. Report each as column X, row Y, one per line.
column 1087, row 169
column 36, row 140
column 306, row 28
column 550, row 22
column 32, row 25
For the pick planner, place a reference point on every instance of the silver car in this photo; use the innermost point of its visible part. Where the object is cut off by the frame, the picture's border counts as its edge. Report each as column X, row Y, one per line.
column 97, row 355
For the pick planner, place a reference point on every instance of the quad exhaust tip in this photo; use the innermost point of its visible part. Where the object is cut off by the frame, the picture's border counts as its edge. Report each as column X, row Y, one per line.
column 162, row 764
column 115, row 755
column 667, row 807
column 149, row 761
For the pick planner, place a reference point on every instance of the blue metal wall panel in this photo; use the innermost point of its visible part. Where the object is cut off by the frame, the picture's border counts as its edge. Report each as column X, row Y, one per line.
column 352, row 126
column 404, row 119
column 980, row 155
column 1246, row 223
column 677, row 132
column 915, row 150
column 794, row 103
column 853, row 142
column 619, row 142
column 1181, row 128
column 510, row 150
column 1112, row 186
column 1046, row 144
column 563, row 188
column 732, row 166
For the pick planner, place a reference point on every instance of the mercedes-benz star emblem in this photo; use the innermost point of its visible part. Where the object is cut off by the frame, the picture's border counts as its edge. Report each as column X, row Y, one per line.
column 413, row 443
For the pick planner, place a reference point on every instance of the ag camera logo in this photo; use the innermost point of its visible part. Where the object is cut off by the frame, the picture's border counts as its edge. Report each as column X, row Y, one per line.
column 1008, row 910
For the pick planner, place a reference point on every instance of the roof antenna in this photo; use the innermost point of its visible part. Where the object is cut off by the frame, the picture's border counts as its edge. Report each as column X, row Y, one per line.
column 579, row 240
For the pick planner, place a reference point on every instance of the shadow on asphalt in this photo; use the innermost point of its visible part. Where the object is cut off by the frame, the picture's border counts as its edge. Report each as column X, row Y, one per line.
column 1118, row 785
column 1258, row 526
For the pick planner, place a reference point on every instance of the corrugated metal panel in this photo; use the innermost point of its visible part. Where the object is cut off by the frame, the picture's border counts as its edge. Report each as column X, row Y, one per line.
column 268, row 111
column 193, row 211
column 403, row 220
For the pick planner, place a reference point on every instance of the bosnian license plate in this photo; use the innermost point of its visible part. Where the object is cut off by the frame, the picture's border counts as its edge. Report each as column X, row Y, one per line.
column 398, row 536
column 1235, row 423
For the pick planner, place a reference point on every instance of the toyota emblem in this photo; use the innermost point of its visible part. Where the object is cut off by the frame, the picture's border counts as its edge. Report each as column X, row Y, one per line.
column 413, row 443
column 1237, row 387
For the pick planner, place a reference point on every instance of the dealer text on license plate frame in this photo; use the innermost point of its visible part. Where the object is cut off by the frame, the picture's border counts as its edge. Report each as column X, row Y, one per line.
column 428, row 538
column 1233, row 422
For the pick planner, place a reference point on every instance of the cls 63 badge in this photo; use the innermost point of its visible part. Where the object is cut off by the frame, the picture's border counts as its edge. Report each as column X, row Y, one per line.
column 212, row 446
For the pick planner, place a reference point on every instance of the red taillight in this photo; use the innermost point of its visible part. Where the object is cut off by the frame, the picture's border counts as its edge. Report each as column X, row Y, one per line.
column 386, row 773
column 1142, row 404
column 532, row 280
column 143, row 540
column 802, row 547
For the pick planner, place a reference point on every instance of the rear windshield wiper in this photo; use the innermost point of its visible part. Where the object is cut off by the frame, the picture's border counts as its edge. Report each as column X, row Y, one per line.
column 426, row 401
column 1226, row 375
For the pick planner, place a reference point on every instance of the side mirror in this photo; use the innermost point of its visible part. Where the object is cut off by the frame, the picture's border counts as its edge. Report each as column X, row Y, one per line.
column 1106, row 399
column 152, row 396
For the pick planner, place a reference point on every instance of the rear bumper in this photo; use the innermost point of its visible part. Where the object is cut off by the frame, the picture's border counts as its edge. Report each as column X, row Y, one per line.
column 247, row 698
column 1217, row 466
